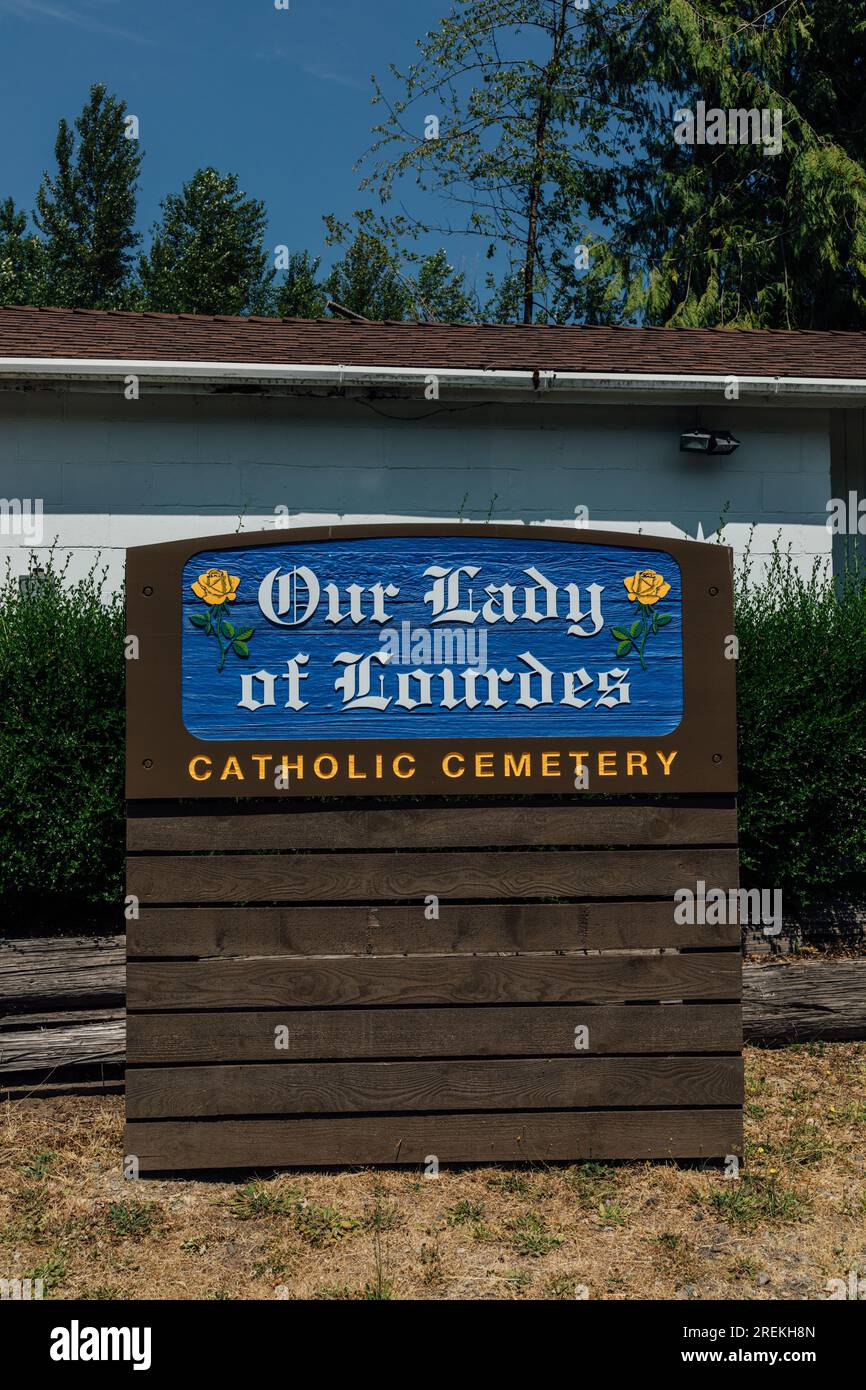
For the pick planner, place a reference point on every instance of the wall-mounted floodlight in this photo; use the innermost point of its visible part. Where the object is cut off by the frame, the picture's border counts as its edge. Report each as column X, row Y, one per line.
column 708, row 442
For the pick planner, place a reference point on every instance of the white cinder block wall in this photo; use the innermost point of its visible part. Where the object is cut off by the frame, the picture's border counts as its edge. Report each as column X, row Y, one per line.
column 113, row 473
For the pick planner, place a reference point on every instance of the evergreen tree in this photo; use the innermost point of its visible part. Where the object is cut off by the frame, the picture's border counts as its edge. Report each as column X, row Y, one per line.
column 207, row 254
column 86, row 210
column 365, row 279
column 441, row 293
column 22, row 260
column 301, row 294
column 734, row 233
column 379, row 280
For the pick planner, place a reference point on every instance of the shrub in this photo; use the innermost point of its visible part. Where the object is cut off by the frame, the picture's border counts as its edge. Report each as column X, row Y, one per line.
column 61, row 744
column 801, row 702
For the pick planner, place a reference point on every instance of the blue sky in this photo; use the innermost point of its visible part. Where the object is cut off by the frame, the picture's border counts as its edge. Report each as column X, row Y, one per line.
column 282, row 98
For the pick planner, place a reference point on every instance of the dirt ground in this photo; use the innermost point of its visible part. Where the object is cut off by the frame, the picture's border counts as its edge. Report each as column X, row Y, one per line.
column 792, row 1222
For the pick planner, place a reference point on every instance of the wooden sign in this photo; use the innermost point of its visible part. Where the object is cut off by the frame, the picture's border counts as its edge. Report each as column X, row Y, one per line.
column 429, row 660
column 315, row 981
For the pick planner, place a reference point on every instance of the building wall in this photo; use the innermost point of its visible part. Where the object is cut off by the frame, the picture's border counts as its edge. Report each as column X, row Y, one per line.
column 113, row 473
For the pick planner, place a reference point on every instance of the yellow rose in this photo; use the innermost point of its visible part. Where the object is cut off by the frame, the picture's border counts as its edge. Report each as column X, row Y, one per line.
column 646, row 586
column 216, row 586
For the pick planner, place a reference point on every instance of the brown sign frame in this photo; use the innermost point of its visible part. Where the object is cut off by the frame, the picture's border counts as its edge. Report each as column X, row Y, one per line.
column 159, row 749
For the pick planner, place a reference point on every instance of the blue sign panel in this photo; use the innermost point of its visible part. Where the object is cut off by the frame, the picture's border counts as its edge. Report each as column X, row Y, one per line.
column 431, row 637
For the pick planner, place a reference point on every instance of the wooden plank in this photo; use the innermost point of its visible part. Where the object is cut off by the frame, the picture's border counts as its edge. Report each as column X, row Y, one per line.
column 799, row 1003
column 55, row 972
column 438, row 828
column 359, row 930
column 299, row 982
column 106, row 1084
column 74, row 1042
column 170, row 1145
column 55, row 1018
column 297, row 1088
column 373, row 876
column 541, row 1031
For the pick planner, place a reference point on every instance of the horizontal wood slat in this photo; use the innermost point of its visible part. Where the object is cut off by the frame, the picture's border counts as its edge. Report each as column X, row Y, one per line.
column 290, row 1003
column 167, row 1145
column 309, row 877
column 295, row 982
column 465, row 828
column 359, row 930
column 540, row 1031
column 299, row 1088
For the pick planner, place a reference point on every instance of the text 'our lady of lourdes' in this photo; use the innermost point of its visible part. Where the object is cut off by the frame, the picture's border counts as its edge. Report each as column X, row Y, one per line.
column 293, row 598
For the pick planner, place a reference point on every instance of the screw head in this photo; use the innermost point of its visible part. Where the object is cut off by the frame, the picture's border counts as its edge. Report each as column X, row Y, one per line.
column 713, row 591
column 147, row 762
column 717, row 757
column 148, row 590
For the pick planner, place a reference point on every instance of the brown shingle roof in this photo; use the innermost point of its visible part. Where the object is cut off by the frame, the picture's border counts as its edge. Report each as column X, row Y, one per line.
column 79, row 333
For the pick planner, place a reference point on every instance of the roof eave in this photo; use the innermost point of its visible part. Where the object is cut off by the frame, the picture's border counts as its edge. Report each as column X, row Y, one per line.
column 300, row 376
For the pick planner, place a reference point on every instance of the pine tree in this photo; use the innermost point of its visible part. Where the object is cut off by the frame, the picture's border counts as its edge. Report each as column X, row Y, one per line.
column 366, row 279
column 441, row 293
column 301, row 294
column 86, row 210
column 207, row 254
column 22, row 260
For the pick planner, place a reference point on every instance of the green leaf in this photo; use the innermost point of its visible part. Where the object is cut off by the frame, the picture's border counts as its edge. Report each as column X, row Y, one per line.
column 199, row 619
column 624, row 647
column 620, row 634
column 664, row 618
column 240, row 648
column 635, row 628
column 243, row 636
column 227, row 628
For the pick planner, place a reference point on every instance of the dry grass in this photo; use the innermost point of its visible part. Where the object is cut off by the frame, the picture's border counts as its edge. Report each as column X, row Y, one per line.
column 796, row 1218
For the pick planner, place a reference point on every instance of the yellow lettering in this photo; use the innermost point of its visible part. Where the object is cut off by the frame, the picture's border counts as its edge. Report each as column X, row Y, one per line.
column 483, row 764
column 355, row 776
column 199, row 776
column 666, row 762
column 517, row 769
column 634, row 760
column 550, row 765
column 604, row 768
column 232, row 769
column 404, row 758
column 317, row 767
column 450, row 758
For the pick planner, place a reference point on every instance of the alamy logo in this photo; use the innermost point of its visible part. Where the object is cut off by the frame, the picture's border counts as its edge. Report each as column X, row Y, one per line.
column 732, row 127
column 21, row 1290
column 442, row 646
column 854, row 1287
column 703, row 906
column 22, row 516
column 77, row 1343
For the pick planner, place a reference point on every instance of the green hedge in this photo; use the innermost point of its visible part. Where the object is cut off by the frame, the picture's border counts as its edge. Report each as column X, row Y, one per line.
column 61, row 747
column 801, row 678
column 801, row 705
